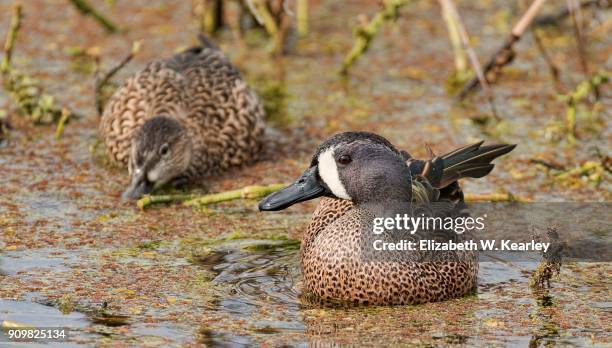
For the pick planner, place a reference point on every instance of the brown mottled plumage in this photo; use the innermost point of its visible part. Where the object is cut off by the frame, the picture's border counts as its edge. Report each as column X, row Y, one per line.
column 337, row 263
column 219, row 119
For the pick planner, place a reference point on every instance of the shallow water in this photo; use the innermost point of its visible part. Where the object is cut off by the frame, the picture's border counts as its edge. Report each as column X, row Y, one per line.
column 41, row 316
column 258, row 284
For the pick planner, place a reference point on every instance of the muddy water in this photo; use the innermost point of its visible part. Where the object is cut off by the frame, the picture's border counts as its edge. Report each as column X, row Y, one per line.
column 258, row 285
column 171, row 276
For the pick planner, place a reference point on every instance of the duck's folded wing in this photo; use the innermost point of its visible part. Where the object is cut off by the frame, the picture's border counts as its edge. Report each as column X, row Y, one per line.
column 472, row 161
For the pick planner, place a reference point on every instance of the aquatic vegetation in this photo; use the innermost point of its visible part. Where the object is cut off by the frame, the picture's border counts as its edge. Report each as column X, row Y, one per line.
column 248, row 192
column 367, row 29
column 26, row 91
column 581, row 92
column 87, row 9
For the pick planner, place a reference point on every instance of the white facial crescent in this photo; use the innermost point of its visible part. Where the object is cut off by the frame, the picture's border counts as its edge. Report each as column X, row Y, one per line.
column 328, row 170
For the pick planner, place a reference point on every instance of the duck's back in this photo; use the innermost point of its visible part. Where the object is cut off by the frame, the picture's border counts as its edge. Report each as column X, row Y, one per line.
column 203, row 90
column 156, row 90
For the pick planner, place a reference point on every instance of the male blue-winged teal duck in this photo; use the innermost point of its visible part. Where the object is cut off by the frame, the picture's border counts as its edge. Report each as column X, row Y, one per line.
column 361, row 176
column 181, row 119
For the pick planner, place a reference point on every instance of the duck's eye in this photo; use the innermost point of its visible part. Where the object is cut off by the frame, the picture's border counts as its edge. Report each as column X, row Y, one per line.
column 344, row 159
column 163, row 150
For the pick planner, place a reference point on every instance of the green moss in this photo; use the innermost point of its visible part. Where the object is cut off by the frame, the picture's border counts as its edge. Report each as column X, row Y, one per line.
column 66, row 304
column 150, row 245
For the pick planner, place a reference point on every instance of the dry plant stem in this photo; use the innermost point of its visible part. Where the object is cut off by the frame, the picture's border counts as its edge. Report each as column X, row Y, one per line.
column 495, row 197
column 577, row 23
column 264, row 17
column 61, row 124
column 277, row 31
column 548, row 20
column 101, row 82
column 452, row 26
column 547, row 164
column 465, row 40
column 7, row 324
column 280, row 38
column 364, row 33
column 209, row 15
column 302, row 17
column 11, row 37
column 505, row 54
column 149, row 200
column 552, row 67
column 88, row 10
column 251, row 6
column 248, row 192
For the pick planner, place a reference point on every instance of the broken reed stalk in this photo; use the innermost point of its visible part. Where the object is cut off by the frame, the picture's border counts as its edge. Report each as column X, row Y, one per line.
column 552, row 67
column 7, row 324
column 302, row 17
column 495, row 197
column 578, row 24
column 452, row 25
column 209, row 15
column 465, row 40
column 281, row 36
column 248, row 192
column 261, row 13
column 149, row 200
column 102, row 82
column 277, row 30
column 554, row 19
column 61, row 123
column 364, row 32
column 505, row 54
column 88, row 10
column 11, row 37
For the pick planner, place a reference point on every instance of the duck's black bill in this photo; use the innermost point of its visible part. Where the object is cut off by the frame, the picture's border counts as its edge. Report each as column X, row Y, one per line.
column 305, row 188
column 139, row 187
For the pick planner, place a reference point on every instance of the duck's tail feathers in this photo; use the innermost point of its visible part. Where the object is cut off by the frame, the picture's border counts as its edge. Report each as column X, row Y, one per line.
column 205, row 42
column 192, row 56
column 471, row 161
column 194, row 51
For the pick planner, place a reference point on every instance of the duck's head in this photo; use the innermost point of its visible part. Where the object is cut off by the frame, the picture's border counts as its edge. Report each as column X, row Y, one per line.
column 161, row 151
column 358, row 166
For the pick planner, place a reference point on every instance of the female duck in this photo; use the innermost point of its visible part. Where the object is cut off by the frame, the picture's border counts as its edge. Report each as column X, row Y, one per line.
column 182, row 118
column 363, row 177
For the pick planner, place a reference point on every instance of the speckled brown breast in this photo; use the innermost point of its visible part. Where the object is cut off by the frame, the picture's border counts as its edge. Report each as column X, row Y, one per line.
column 202, row 90
column 334, row 268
